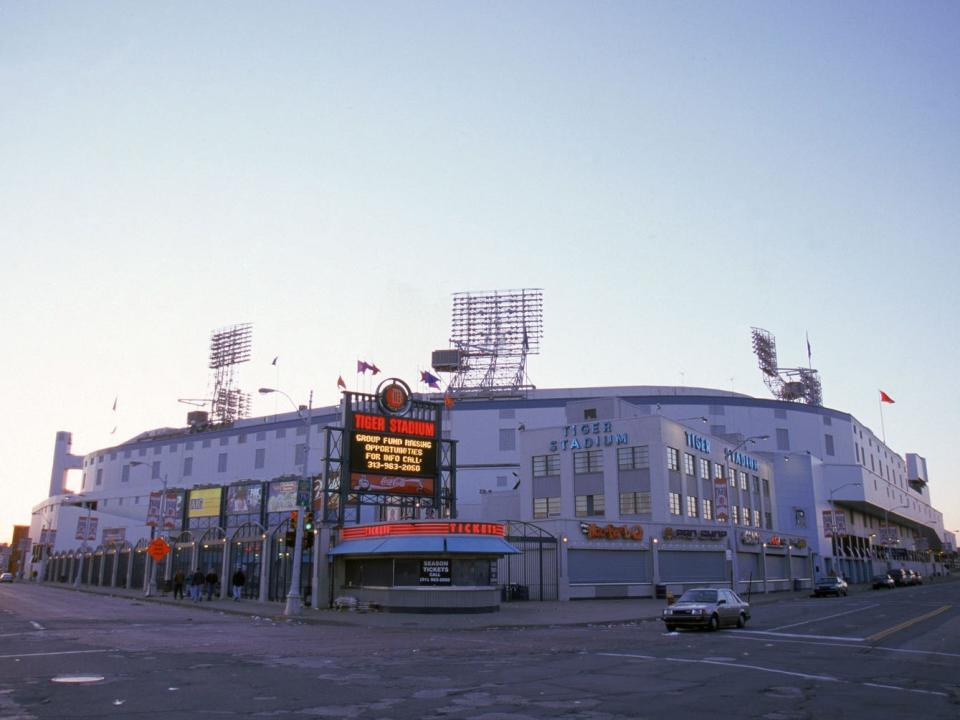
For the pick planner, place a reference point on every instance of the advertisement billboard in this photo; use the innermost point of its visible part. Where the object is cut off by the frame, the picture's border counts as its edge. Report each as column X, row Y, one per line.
column 204, row 502
column 244, row 499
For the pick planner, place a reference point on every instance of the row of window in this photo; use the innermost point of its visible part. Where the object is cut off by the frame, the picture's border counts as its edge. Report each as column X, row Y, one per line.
column 188, row 445
column 259, row 462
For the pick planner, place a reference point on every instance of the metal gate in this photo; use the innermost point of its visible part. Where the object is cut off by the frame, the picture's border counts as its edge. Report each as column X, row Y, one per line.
column 281, row 564
column 534, row 574
column 246, row 549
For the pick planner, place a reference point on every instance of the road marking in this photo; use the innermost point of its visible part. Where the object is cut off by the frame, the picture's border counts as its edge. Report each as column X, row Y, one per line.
column 904, row 625
column 36, row 625
column 63, row 652
column 828, row 617
column 798, row 635
column 805, row 676
column 742, row 635
column 902, row 689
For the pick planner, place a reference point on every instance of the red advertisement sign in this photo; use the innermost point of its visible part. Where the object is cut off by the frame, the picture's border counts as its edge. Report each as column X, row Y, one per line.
column 365, row 482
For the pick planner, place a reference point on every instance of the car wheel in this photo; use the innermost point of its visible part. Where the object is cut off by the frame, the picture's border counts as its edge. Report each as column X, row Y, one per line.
column 844, row 593
column 671, row 628
column 741, row 620
column 714, row 623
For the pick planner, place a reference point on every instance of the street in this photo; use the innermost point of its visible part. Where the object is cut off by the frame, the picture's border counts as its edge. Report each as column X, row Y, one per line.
column 67, row 654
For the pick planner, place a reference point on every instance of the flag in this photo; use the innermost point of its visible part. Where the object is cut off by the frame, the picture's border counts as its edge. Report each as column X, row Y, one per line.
column 275, row 360
column 885, row 398
column 430, row 379
column 808, row 349
column 115, row 403
column 363, row 366
column 447, row 401
column 341, row 383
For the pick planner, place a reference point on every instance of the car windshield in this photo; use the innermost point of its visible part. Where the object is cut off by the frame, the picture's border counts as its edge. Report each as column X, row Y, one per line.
column 699, row 596
column 831, row 581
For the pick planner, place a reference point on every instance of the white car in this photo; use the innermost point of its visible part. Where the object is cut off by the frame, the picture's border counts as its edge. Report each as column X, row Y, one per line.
column 6, row 577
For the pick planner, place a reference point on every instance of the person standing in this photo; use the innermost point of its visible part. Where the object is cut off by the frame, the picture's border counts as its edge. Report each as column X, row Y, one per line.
column 211, row 583
column 178, row 585
column 239, row 580
column 196, row 585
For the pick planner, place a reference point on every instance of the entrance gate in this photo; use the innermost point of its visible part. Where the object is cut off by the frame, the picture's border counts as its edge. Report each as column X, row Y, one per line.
column 534, row 574
column 282, row 564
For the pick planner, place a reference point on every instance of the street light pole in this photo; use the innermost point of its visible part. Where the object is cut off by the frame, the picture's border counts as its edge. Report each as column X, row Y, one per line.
column 886, row 525
column 733, row 532
column 152, row 586
column 83, row 547
column 833, row 518
column 294, row 604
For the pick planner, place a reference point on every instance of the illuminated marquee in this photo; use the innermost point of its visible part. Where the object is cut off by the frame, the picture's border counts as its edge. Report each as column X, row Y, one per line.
column 423, row 528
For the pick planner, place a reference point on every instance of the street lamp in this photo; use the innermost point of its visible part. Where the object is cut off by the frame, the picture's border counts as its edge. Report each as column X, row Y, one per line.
column 152, row 587
column 886, row 522
column 294, row 601
column 733, row 532
column 86, row 533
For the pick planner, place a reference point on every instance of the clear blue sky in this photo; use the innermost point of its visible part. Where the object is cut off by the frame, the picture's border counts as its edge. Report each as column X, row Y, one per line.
column 669, row 173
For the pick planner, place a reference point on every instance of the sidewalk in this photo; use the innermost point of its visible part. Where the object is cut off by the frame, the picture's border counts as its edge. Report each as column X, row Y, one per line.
column 511, row 614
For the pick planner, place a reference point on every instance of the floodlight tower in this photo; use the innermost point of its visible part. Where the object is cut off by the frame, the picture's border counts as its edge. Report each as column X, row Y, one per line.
column 791, row 384
column 493, row 332
column 229, row 347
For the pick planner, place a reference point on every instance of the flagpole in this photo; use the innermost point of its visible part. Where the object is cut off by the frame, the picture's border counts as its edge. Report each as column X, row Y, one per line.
column 883, row 430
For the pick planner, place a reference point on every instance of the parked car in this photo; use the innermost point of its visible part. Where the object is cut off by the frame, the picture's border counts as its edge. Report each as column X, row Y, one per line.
column 900, row 576
column 709, row 608
column 6, row 577
column 915, row 577
column 883, row 581
column 830, row 586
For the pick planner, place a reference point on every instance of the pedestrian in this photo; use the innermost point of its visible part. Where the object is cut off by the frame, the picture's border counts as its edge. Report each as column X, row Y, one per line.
column 178, row 585
column 211, row 583
column 196, row 585
column 239, row 580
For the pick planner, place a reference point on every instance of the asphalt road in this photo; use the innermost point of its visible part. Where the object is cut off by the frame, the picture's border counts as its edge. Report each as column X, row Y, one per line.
column 877, row 654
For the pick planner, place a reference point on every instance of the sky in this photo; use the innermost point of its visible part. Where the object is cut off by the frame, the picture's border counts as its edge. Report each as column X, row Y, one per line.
column 670, row 174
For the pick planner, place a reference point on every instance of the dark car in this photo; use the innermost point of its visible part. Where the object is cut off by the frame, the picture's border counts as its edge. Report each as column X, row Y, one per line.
column 830, row 586
column 900, row 576
column 883, row 581
column 915, row 577
column 708, row 608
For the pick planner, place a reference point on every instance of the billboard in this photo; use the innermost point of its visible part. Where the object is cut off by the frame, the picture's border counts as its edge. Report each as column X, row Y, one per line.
column 720, row 500
column 204, row 502
column 244, row 499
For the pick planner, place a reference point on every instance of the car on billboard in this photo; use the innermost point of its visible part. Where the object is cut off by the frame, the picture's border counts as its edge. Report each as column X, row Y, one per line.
column 708, row 608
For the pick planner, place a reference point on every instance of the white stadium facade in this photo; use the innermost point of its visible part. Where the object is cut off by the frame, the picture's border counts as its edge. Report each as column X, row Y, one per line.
column 606, row 491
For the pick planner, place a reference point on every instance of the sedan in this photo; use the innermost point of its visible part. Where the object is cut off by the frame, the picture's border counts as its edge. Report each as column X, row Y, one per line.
column 883, row 581
column 708, row 608
column 830, row 586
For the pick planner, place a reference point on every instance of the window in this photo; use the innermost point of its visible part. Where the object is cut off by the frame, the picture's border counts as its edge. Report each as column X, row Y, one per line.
column 281, row 433
column 745, row 514
column 259, row 458
column 635, row 503
column 769, row 520
column 673, row 459
column 222, row 462
column 155, row 470
column 756, row 484
column 187, row 466
column 631, row 458
column 590, row 414
column 704, row 469
column 688, row 466
column 125, row 474
column 241, row 438
column 224, row 441
column 172, row 448
column 261, row 436
column 585, row 505
column 206, row 443
column 732, row 477
column 301, row 430
column 546, row 465
column 141, row 452
column 113, row 455
column 783, row 439
column 501, row 480
column 546, row 507
column 743, row 480
column 691, row 506
column 827, row 420
column 707, row 507
column 800, row 517
column 188, row 445
column 299, row 454
column 99, row 476
column 508, row 439
column 674, row 503
column 756, row 518
column 717, row 471
column 766, row 486
column 157, row 449
column 735, row 514
column 590, row 461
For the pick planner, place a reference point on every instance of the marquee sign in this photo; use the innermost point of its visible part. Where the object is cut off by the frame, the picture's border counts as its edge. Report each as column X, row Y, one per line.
column 670, row 533
column 445, row 527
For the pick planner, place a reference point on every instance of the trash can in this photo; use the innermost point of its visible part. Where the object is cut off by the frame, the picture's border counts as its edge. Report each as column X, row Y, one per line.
column 660, row 592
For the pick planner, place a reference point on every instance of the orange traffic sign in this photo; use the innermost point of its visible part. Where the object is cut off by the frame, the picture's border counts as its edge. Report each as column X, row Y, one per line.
column 158, row 549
